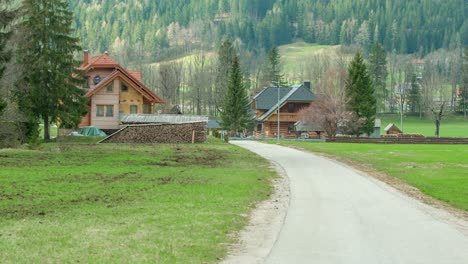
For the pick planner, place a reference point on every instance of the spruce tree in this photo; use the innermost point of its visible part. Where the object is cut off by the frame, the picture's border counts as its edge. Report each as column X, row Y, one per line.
column 48, row 90
column 378, row 71
column 235, row 115
column 464, row 83
column 273, row 68
column 225, row 57
column 5, row 55
column 360, row 95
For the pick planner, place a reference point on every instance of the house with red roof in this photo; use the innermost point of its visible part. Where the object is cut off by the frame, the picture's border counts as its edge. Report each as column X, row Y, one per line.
column 113, row 92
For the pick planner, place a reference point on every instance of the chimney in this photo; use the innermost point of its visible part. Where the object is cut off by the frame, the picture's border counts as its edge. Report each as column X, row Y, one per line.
column 86, row 57
column 307, row 85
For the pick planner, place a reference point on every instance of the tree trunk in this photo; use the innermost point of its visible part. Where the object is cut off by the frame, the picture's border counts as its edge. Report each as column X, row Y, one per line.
column 46, row 128
column 464, row 107
column 437, row 124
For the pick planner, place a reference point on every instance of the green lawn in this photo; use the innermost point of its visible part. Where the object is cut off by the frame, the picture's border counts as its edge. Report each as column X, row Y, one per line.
column 440, row 171
column 119, row 203
column 451, row 125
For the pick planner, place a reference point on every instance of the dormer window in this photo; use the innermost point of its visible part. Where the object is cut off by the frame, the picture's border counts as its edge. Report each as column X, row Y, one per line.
column 124, row 88
column 97, row 79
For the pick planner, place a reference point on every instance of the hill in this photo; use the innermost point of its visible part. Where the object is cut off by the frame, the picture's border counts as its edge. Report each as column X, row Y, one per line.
column 155, row 30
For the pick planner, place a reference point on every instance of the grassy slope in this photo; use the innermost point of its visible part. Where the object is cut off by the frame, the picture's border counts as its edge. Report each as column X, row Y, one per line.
column 294, row 55
column 440, row 171
column 126, row 203
column 451, row 126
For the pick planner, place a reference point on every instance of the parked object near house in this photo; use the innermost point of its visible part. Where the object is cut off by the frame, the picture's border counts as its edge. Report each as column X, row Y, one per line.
column 91, row 131
column 113, row 92
column 304, row 130
column 291, row 101
column 392, row 129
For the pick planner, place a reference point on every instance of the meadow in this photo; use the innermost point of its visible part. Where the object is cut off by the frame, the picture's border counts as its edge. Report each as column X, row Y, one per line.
column 452, row 125
column 126, row 203
column 440, row 171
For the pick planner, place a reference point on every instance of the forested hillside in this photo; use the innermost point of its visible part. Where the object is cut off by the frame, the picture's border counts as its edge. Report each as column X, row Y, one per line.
column 158, row 29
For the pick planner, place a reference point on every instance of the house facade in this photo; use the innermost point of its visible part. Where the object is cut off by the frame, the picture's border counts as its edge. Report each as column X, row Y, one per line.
column 290, row 101
column 113, row 92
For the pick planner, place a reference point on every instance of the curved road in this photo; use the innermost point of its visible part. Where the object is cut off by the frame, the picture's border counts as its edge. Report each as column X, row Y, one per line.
column 337, row 215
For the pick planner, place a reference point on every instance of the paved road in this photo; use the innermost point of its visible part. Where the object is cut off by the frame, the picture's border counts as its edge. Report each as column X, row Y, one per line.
column 337, row 215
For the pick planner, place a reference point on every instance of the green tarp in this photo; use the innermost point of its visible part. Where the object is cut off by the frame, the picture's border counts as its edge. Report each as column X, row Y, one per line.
column 91, row 131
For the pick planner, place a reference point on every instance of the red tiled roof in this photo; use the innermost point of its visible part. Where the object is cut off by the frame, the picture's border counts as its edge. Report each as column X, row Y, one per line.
column 135, row 74
column 100, row 60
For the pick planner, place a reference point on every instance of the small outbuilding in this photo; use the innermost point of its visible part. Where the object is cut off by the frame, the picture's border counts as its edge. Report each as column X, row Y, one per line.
column 392, row 129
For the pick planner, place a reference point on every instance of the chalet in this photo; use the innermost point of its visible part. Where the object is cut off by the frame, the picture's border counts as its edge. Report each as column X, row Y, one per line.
column 113, row 92
column 291, row 100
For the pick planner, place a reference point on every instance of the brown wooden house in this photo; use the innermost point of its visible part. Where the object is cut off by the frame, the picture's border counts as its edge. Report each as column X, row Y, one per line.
column 291, row 100
column 113, row 92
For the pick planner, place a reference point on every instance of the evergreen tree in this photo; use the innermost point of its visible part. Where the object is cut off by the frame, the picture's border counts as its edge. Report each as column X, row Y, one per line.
column 272, row 72
column 5, row 55
column 225, row 58
column 378, row 71
column 360, row 95
column 464, row 87
column 48, row 90
column 235, row 115
column 414, row 96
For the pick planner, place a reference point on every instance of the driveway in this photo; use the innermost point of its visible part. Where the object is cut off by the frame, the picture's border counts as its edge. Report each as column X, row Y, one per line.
column 339, row 215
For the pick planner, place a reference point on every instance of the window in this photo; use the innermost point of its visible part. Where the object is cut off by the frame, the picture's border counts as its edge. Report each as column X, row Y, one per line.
column 105, row 110
column 291, row 108
column 146, row 109
column 86, row 82
column 109, row 88
column 133, row 109
column 124, row 88
column 97, row 79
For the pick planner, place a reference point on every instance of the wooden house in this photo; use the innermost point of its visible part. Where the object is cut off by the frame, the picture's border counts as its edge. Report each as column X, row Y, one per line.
column 392, row 129
column 290, row 101
column 113, row 92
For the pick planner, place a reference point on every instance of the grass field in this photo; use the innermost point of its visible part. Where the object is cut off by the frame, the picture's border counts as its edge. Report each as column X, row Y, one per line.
column 440, row 171
column 451, row 125
column 112, row 203
column 293, row 56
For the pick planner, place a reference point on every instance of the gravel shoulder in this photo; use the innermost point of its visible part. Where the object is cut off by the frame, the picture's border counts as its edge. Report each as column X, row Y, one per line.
column 256, row 240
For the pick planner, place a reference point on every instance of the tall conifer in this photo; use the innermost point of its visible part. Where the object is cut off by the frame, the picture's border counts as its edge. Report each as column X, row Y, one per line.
column 225, row 57
column 5, row 18
column 235, row 115
column 48, row 90
column 378, row 71
column 360, row 95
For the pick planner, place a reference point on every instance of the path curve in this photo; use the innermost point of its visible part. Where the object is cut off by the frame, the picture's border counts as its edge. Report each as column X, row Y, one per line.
column 338, row 215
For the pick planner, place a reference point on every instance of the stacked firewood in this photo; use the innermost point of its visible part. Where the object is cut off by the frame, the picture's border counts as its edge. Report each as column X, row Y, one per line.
column 160, row 133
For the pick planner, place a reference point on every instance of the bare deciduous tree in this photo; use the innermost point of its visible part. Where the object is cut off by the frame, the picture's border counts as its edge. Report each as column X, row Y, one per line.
column 329, row 110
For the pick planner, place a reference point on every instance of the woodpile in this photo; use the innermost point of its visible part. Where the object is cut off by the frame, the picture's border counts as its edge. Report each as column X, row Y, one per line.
column 160, row 133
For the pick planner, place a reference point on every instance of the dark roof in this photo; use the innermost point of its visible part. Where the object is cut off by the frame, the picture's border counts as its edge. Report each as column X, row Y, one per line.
column 295, row 93
column 268, row 97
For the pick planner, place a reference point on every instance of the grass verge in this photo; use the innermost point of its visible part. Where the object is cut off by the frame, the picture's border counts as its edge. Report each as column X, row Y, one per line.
column 122, row 203
column 440, row 171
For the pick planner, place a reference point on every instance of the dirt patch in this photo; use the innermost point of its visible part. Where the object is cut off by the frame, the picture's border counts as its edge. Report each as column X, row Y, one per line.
column 395, row 183
column 257, row 239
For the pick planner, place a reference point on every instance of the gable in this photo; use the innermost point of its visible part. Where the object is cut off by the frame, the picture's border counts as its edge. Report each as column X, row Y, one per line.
column 128, row 79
